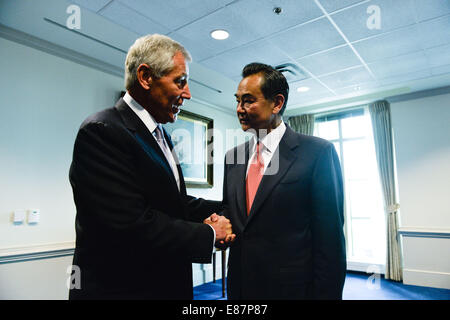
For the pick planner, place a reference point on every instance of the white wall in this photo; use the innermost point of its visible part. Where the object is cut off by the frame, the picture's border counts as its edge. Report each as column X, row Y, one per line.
column 44, row 100
column 422, row 149
column 43, row 279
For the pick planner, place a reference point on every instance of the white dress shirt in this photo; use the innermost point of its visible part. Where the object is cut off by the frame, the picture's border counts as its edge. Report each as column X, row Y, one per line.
column 269, row 144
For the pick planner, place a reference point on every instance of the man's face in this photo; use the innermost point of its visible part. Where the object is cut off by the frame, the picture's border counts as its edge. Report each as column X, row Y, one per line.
column 168, row 92
column 253, row 110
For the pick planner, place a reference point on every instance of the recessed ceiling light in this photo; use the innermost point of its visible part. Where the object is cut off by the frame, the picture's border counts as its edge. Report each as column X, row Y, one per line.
column 220, row 34
column 302, row 89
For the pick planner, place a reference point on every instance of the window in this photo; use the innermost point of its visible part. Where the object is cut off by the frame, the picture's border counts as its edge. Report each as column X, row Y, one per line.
column 351, row 134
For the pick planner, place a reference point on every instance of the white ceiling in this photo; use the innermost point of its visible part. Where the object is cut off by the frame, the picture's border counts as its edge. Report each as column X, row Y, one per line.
column 338, row 55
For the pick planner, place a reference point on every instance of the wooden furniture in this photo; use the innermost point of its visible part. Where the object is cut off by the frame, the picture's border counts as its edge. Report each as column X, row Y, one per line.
column 224, row 268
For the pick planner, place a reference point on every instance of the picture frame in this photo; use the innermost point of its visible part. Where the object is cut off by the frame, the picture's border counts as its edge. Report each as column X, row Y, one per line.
column 192, row 137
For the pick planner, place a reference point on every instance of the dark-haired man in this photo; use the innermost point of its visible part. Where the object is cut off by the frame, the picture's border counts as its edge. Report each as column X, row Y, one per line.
column 285, row 201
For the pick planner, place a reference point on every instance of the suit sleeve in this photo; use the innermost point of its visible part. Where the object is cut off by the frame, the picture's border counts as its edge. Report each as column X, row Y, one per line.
column 224, row 207
column 199, row 209
column 329, row 254
column 114, row 212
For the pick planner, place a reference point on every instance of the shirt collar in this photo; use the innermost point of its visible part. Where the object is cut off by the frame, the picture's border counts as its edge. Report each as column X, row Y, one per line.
column 271, row 140
column 143, row 114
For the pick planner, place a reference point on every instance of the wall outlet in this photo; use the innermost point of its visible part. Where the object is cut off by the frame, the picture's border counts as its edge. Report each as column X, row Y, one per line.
column 33, row 216
column 19, row 216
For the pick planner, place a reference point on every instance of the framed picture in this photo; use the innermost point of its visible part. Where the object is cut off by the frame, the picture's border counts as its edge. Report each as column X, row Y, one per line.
column 192, row 138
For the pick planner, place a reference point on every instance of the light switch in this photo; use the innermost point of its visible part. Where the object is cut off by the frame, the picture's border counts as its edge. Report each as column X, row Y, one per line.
column 33, row 216
column 19, row 216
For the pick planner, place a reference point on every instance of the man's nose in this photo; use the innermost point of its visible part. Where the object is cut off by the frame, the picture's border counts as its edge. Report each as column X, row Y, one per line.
column 186, row 94
column 240, row 108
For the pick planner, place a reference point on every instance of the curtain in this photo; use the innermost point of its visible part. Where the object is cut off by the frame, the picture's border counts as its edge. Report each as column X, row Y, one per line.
column 382, row 131
column 302, row 124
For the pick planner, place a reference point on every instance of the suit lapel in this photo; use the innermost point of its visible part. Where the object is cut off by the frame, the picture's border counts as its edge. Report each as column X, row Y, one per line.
column 145, row 138
column 240, row 175
column 279, row 165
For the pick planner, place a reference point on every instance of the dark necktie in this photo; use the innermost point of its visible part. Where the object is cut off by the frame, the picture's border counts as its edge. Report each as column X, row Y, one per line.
column 165, row 149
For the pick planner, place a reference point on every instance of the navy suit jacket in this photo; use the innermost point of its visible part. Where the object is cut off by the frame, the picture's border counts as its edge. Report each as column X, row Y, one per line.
column 291, row 246
column 136, row 233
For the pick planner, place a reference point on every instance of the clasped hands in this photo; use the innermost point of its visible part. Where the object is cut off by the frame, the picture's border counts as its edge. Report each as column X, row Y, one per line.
column 222, row 226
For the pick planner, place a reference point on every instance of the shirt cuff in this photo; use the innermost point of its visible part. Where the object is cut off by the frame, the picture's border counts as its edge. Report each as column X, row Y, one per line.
column 214, row 239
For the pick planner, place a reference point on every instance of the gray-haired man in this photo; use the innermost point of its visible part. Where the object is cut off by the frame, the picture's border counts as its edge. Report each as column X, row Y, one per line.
column 138, row 232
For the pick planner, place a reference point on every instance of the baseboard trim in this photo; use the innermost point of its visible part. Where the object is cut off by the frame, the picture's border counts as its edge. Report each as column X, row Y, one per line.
column 36, row 252
column 367, row 268
column 426, row 278
column 418, row 232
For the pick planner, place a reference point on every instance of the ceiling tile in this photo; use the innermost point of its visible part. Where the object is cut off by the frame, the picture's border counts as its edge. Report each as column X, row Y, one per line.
column 225, row 65
column 92, row 5
column 308, row 38
column 406, row 77
column 430, row 9
column 259, row 51
column 435, row 32
column 258, row 14
column 196, row 48
column 131, row 19
column 316, row 92
column 391, row 44
column 175, row 13
column 393, row 14
column 297, row 100
column 231, row 62
column 404, row 64
column 240, row 32
column 438, row 56
column 346, row 78
column 330, row 61
column 333, row 5
column 357, row 89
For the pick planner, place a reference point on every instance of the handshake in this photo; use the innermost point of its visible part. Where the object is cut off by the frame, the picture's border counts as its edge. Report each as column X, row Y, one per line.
column 222, row 226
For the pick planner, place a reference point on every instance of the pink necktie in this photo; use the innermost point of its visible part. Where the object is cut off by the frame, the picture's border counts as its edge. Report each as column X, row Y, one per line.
column 254, row 176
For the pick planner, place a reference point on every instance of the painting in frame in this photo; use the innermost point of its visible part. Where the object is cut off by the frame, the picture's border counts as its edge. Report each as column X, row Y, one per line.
column 192, row 138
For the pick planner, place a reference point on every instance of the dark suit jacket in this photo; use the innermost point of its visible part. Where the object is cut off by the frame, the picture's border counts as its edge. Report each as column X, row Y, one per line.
column 136, row 234
column 291, row 246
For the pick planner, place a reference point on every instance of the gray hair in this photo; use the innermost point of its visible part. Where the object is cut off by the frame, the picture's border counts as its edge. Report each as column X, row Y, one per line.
column 157, row 51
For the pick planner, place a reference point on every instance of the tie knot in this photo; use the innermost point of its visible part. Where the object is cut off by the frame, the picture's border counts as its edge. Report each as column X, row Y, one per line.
column 259, row 158
column 259, row 146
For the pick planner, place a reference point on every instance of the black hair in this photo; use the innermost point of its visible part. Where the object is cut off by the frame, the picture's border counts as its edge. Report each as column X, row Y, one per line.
column 273, row 83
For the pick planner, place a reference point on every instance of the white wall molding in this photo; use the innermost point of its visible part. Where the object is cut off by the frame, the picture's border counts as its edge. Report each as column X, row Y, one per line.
column 366, row 267
column 34, row 252
column 426, row 278
column 419, row 232
column 59, row 51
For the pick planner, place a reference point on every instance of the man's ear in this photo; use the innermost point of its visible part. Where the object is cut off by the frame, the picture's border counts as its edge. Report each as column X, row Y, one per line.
column 278, row 103
column 144, row 76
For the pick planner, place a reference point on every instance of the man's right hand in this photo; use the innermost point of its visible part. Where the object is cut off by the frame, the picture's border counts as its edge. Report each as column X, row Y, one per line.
column 222, row 226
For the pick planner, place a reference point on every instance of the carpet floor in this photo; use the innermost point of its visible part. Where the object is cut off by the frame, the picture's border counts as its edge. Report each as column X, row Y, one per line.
column 357, row 287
